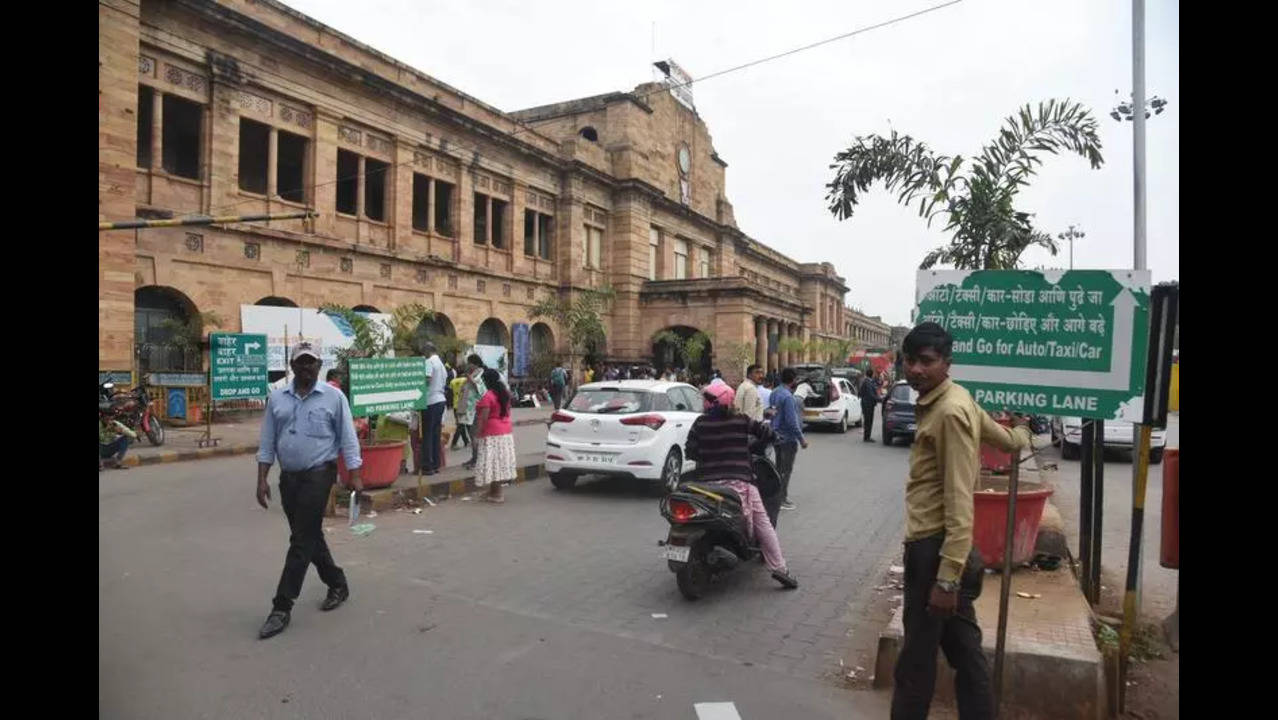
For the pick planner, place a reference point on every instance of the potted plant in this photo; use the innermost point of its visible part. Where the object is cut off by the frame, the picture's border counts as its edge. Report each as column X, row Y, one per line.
column 382, row 454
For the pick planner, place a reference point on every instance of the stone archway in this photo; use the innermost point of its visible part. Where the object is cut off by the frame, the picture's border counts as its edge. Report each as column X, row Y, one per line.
column 167, row 331
column 493, row 332
column 673, row 351
column 274, row 301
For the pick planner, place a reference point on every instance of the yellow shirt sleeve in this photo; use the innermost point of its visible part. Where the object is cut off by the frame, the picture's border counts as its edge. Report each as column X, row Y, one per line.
column 1000, row 437
column 958, row 448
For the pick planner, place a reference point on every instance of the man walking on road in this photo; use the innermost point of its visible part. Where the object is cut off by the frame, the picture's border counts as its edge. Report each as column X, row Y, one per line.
column 305, row 426
column 433, row 415
column 747, row 401
column 788, row 426
column 558, row 379
column 942, row 567
column 869, row 391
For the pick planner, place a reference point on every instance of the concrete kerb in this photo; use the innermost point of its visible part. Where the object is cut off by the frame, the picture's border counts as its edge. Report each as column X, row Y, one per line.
column 171, row 456
column 405, row 491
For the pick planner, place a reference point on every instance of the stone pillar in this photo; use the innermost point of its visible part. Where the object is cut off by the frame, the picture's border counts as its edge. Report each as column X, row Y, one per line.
column 488, row 221
column 774, row 359
column 322, row 172
column 157, row 129
column 789, row 336
column 430, row 206
column 400, row 215
column 117, row 178
column 760, row 342
column 272, row 172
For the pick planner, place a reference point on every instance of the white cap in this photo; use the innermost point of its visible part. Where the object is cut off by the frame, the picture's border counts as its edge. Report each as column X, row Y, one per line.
column 303, row 348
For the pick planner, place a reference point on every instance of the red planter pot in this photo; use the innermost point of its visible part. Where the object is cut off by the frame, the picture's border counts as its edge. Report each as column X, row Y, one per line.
column 380, row 468
column 989, row 530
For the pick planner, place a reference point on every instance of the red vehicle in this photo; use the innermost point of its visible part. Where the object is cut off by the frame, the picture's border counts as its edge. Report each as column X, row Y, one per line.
column 135, row 410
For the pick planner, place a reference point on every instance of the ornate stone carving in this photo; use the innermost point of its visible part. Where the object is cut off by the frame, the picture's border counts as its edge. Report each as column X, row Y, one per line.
column 195, row 242
column 386, row 270
column 245, row 100
column 252, row 251
column 349, row 135
column 146, row 66
column 379, row 144
column 347, row 265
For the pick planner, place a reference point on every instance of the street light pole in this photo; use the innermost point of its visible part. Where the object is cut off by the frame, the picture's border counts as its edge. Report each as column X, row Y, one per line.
column 1138, row 127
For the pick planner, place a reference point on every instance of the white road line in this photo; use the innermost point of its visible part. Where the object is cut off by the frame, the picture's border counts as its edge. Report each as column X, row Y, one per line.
column 716, row 711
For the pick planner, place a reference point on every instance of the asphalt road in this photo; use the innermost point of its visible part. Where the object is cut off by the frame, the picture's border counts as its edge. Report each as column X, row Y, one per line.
column 541, row 608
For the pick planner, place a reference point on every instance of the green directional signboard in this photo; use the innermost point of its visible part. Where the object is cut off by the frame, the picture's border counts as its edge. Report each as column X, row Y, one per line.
column 239, row 366
column 384, row 385
column 1054, row 342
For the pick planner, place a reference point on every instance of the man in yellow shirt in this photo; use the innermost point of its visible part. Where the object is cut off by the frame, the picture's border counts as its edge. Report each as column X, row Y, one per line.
column 942, row 567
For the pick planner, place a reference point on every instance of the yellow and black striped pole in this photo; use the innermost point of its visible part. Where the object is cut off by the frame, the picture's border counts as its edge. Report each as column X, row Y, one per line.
column 204, row 220
column 1131, row 597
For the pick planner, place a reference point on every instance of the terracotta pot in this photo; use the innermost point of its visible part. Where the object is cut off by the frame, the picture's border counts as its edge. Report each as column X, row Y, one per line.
column 381, row 465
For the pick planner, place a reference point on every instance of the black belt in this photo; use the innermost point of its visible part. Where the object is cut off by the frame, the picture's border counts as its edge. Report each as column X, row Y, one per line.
column 330, row 465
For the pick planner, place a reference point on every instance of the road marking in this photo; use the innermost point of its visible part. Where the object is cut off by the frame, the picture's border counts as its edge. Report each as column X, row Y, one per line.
column 716, row 711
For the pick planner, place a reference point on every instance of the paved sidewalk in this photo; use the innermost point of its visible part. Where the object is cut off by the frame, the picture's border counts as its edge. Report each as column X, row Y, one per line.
column 239, row 436
column 1158, row 584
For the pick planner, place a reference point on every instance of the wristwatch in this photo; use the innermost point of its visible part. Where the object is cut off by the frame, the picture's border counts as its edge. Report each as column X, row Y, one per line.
column 948, row 586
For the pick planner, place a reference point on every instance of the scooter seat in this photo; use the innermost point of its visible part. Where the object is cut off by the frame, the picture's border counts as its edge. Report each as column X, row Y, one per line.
column 727, row 493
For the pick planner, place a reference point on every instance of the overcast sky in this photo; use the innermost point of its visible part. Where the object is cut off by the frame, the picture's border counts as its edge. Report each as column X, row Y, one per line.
column 948, row 78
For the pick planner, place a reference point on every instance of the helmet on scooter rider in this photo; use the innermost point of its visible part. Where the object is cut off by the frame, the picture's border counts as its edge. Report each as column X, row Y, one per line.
column 720, row 394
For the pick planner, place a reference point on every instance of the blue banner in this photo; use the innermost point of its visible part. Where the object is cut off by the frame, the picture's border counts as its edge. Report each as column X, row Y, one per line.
column 521, row 350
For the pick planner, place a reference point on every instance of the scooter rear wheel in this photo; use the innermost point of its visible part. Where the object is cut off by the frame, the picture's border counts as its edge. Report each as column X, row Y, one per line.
column 694, row 577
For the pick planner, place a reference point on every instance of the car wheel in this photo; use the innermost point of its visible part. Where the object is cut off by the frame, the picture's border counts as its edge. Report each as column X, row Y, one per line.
column 1070, row 451
column 1155, row 456
column 672, row 470
column 562, row 480
column 843, row 424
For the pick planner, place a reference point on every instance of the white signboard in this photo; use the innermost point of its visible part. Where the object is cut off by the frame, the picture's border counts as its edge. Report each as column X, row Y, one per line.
column 680, row 84
column 327, row 333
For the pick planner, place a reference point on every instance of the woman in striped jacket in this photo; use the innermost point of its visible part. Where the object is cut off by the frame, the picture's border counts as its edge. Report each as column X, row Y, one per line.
column 719, row 442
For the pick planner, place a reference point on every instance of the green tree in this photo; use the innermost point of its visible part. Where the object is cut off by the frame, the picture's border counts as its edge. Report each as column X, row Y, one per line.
column 580, row 316
column 793, row 344
column 737, row 356
column 976, row 195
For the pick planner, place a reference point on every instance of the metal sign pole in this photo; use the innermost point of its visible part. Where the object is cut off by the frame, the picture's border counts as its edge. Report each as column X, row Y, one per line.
column 1098, row 507
column 1005, row 589
column 1085, row 506
column 1131, row 596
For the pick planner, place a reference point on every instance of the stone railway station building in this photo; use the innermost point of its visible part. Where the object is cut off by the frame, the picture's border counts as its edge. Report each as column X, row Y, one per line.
column 422, row 193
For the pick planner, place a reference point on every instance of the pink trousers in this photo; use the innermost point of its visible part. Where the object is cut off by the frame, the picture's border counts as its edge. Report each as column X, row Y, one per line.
column 758, row 525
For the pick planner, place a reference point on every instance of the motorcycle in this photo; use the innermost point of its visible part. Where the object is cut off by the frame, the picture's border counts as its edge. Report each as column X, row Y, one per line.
column 134, row 409
column 708, row 535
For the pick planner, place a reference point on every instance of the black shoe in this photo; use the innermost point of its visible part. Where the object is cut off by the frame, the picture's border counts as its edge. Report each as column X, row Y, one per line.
column 869, row 440
column 785, row 578
column 336, row 596
column 274, row 625
column 787, row 505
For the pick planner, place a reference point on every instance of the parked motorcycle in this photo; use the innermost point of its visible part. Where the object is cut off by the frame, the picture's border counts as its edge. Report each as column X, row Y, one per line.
column 708, row 535
column 134, row 409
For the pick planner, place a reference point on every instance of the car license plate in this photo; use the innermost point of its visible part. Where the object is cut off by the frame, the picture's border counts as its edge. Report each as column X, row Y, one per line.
column 811, row 413
column 911, row 427
column 678, row 553
column 595, row 458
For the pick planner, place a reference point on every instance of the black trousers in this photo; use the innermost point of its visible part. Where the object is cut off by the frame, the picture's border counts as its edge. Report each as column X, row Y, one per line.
column 463, row 435
column 432, row 426
column 303, row 496
column 785, row 465
column 959, row 637
column 557, row 396
column 867, row 412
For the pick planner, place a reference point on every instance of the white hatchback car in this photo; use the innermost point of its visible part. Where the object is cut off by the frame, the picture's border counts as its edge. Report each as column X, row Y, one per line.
column 1119, row 434
column 632, row 428
column 832, row 403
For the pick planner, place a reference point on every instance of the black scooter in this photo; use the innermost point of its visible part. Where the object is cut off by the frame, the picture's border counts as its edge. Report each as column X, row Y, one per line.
column 708, row 535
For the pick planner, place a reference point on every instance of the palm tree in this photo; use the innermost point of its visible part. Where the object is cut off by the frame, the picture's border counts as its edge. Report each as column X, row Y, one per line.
column 988, row 232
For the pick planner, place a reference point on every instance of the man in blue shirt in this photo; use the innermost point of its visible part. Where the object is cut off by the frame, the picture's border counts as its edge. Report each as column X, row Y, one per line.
column 788, row 426
column 433, row 415
column 305, row 426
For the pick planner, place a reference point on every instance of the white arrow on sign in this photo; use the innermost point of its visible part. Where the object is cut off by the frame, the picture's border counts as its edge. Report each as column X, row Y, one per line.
column 1120, row 353
column 251, row 345
column 386, row 397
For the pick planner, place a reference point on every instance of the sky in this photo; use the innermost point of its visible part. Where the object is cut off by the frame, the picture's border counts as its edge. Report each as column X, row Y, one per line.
column 947, row 78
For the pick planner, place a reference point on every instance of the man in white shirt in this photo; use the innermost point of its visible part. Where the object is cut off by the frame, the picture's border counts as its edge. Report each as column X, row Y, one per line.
column 747, row 401
column 433, row 415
